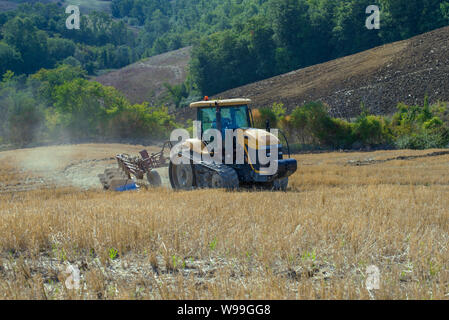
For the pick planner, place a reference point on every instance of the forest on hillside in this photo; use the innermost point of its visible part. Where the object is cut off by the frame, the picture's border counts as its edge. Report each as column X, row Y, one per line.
column 241, row 40
column 45, row 92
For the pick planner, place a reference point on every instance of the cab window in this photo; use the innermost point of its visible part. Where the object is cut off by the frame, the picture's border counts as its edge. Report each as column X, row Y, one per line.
column 231, row 118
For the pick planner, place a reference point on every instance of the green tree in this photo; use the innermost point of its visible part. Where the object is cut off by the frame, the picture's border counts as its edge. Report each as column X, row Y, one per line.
column 22, row 35
column 10, row 59
column 407, row 18
column 350, row 34
column 59, row 49
column 25, row 117
column 51, row 79
column 177, row 92
column 292, row 28
column 84, row 107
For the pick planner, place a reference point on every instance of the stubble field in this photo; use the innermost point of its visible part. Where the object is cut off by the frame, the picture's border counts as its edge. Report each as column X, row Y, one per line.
column 342, row 213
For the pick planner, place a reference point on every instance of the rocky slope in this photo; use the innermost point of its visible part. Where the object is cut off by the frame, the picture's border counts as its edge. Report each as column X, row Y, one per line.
column 143, row 80
column 404, row 71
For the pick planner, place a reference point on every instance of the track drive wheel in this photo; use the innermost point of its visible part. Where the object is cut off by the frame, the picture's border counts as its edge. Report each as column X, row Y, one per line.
column 226, row 178
column 181, row 176
column 280, row 184
column 277, row 185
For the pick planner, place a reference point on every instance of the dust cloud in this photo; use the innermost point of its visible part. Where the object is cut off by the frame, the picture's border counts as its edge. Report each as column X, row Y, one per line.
column 66, row 165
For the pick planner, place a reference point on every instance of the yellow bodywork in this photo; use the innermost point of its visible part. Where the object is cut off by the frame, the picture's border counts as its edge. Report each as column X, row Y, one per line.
column 256, row 139
column 196, row 145
column 220, row 103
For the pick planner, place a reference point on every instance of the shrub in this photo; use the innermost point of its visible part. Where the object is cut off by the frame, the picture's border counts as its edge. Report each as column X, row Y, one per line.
column 139, row 121
column 260, row 117
column 335, row 133
column 25, row 117
column 312, row 123
column 419, row 127
column 420, row 141
column 371, row 130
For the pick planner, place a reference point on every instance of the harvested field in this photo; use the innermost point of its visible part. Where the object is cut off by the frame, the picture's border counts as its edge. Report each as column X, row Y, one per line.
column 314, row 241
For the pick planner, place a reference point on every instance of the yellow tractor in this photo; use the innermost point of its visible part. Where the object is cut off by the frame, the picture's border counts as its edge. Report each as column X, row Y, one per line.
column 227, row 152
column 233, row 120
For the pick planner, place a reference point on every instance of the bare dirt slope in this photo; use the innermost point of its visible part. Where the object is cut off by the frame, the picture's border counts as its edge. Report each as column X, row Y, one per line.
column 403, row 71
column 143, row 80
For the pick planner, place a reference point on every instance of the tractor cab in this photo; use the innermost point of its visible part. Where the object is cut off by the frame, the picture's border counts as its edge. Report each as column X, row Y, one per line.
column 224, row 114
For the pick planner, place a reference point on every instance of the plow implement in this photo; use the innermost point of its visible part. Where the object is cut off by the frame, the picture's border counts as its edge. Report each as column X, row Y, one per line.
column 140, row 167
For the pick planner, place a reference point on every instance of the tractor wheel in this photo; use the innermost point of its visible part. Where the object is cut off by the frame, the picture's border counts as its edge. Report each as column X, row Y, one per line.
column 227, row 178
column 276, row 185
column 154, row 178
column 280, row 184
column 217, row 181
column 181, row 176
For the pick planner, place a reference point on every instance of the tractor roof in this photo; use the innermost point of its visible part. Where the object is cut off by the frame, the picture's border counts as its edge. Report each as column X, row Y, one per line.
column 221, row 103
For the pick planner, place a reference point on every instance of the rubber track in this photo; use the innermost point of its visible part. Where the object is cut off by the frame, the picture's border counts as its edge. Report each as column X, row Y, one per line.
column 228, row 174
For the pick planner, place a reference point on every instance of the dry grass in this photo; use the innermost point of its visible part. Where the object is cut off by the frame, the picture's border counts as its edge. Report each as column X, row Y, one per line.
column 312, row 242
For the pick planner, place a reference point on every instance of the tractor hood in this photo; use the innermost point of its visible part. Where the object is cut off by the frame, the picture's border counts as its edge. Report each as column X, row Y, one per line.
column 259, row 138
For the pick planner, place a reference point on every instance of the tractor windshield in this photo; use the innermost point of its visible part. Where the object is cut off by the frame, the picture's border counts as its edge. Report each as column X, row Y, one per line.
column 233, row 117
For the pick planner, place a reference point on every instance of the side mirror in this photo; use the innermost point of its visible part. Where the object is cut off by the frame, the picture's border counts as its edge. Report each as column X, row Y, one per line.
column 267, row 125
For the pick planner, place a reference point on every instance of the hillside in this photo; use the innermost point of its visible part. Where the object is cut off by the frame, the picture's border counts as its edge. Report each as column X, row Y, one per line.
column 143, row 80
column 7, row 5
column 85, row 5
column 403, row 71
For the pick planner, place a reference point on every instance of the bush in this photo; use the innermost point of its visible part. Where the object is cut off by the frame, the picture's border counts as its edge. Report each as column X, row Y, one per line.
column 312, row 124
column 414, row 127
column 334, row 133
column 140, row 121
column 419, row 127
column 25, row 117
column 421, row 141
column 371, row 130
column 262, row 115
